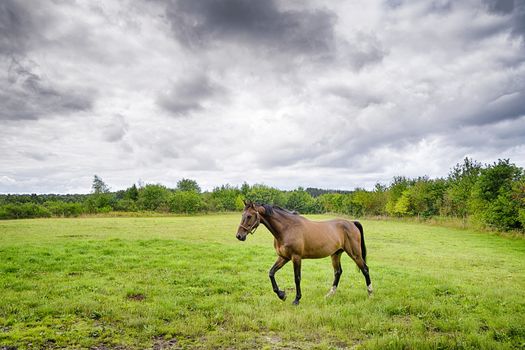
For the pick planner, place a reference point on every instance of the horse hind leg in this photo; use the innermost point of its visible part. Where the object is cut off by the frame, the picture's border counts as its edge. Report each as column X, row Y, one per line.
column 353, row 249
column 336, row 263
column 364, row 269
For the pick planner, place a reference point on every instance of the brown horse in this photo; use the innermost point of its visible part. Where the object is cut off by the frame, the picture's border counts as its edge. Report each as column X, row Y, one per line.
column 296, row 238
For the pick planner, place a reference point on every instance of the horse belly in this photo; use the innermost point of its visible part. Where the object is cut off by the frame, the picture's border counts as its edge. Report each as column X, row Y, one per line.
column 322, row 245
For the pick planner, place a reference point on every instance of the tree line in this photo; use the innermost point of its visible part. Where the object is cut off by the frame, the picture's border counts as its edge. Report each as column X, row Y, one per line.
column 490, row 195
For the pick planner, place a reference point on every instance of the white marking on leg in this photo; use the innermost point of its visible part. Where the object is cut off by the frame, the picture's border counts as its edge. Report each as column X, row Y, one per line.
column 370, row 290
column 331, row 292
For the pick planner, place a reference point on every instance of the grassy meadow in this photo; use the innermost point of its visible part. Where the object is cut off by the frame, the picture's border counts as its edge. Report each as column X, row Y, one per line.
column 186, row 282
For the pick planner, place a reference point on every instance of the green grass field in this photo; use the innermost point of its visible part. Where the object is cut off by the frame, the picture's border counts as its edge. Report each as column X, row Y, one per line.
column 186, row 282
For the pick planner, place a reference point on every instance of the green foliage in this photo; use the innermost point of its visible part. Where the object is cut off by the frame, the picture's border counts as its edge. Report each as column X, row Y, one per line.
column 264, row 194
column 493, row 201
column 402, row 205
column 188, row 202
column 301, row 201
column 426, row 196
column 331, row 202
column 23, row 211
column 100, row 202
column 490, row 195
column 395, row 191
column 132, row 193
column 225, row 198
column 370, row 202
column 188, row 185
column 62, row 209
column 125, row 205
column 154, row 197
column 99, row 186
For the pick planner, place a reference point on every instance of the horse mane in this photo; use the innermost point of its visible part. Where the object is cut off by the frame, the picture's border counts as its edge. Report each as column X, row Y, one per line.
column 271, row 208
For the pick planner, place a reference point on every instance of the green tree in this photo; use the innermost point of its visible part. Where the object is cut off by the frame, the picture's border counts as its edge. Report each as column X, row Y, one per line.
column 395, row 191
column 132, row 193
column 332, row 202
column 402, row 206
column 369, row 202
column 245, row 189
column 301, row 201
column 100, row 200
column 265, row 194
column 188, row 185
column 188, row 202
column 493, row 201
column 99, row 186
column 154, row 197
column 461, row 180
column 426, row 196
column 224, row 198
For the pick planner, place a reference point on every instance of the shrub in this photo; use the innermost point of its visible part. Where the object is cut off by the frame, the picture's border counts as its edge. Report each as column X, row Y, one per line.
column 187, row 202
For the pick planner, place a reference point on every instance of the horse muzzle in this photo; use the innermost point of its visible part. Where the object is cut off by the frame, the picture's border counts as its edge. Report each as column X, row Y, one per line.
column 241, row 236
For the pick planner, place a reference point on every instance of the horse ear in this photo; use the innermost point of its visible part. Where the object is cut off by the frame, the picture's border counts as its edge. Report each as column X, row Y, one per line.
column 244, row 201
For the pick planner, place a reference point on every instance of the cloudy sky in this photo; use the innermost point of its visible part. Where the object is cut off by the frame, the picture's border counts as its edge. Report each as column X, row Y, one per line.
column 332, row 94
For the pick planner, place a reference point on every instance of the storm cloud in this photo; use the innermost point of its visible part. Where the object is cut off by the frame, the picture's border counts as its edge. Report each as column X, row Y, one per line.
column 188, row 94
column 27, row 95
column 203, row 23
column 287, row 93
column 25, row 92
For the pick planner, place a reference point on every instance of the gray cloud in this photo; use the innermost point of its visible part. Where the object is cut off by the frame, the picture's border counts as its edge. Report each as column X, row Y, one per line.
column 26, row 95
column 364, row 49
column 37, row 155
column 500, row 6
column 189, row 94
column 253, row 23
column 507, row 106
column 18, row 27
column 115, row 129
column 356, row 96
column 329, row 94
column 514, row 10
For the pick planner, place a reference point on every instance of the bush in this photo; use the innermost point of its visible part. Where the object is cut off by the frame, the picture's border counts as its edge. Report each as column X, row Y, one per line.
column 154, row 197
column 301, row 201
column 187, row 202
column 125, row 205
column 64, row 209
column 23, row 211
column 496, row 196
column 225, row 198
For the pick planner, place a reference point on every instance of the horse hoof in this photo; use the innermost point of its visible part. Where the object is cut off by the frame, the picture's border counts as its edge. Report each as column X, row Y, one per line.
column 370, row 291
column 330, row 293
column 281, row 295
column 295, row 302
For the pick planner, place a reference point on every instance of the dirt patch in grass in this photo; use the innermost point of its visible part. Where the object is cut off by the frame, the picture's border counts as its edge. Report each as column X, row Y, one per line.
column 136, row 296
column 162, row 344
column 108, row 347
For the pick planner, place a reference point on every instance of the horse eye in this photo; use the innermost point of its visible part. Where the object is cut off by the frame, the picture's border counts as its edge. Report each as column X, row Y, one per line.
column 249, row 216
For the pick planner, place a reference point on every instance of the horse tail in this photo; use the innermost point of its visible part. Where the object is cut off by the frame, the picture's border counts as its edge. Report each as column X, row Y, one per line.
column 363, row 246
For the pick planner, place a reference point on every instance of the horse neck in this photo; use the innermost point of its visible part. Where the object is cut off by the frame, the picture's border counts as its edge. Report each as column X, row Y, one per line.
column 276, row 224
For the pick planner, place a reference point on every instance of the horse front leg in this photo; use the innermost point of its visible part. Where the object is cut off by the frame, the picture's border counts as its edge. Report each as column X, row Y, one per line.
column 278, row 264
column 297, row 273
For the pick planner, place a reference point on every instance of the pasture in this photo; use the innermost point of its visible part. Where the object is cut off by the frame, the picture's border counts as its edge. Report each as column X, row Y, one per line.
column 187, row 282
